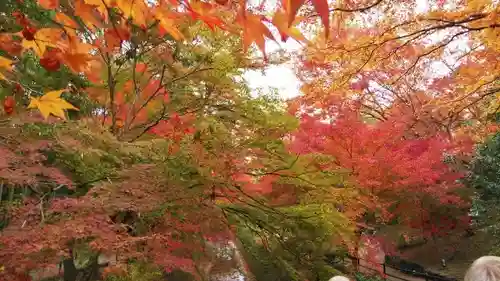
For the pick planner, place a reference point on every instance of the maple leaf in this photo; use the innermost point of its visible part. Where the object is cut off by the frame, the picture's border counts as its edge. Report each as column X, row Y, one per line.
column 50, row 60
column 97, row 94
column 77, row 62
column 116, row 35
column 281, row 22
column 321, row 7
column 77, row 56
column 203, row 12
column 88, row 14
column 137, row 10
column 8, row 44
column 69, row 25
column 140, row 67
column 43, row 38
column 51, row 103
column 254, row 30
column 8, row 105
column 29, row 32
column 97, row 2
column 49, row 4
column 5, row 64
column 168, row 24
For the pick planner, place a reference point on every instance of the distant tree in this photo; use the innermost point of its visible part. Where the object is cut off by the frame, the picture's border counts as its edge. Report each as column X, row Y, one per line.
column 485, row 178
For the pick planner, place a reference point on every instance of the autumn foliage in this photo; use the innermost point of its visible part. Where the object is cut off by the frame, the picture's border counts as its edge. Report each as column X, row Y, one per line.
column 394, row 172
column 127, row 128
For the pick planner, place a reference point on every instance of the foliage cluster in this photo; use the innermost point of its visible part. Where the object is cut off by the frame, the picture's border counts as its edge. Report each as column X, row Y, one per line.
column 485, row 178
column 163, row 152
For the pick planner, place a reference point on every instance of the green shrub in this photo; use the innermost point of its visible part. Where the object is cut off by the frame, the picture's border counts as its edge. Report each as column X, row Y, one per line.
column 363, row 277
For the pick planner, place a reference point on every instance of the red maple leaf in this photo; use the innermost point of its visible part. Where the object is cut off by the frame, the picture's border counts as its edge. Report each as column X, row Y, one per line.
column 8, row 105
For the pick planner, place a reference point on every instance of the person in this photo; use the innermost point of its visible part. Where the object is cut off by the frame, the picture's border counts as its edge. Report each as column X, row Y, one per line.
column 339, row 278
column 485, row 268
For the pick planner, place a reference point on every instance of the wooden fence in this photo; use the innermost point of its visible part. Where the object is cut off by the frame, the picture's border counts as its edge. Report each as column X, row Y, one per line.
column 395, row 273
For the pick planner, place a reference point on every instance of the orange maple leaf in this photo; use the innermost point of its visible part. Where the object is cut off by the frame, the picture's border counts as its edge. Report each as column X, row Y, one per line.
column 100, row 5
column 88, row 14
column 167, row 24
column 77, row 62
column 254, row 30
column 97, row 2
column 10, row 45
column 76, row 55
column 140, row 67
column 67, row 22
column 321, row 7
column 204, row 12
column 49, row 4
column 116, row 35
column 99, row 94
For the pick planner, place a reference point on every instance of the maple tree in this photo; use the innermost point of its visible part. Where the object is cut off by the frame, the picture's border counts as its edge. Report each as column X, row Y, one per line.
column 433, row 65
column 163, row 149
column 484, row 177
column 396, row 97
column 114, row 37
column 143, row 72
column 392, row 179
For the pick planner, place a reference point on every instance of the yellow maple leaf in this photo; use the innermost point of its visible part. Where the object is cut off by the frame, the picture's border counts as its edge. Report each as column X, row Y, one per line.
column 136, row 10
column 280, row 20
column 45, row 37
column 5, row 64
column 51, row 103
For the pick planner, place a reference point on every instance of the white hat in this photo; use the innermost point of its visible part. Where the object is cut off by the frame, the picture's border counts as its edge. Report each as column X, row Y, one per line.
column 339, row 278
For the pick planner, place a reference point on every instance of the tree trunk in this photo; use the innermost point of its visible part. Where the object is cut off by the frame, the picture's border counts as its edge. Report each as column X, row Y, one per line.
column 70, row 271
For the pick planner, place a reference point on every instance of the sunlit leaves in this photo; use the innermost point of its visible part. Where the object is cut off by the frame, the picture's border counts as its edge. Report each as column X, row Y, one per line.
column 321, row 7
column 206, row 13
column 87, row 13
column 162, row 67
column 43, row 38
column 51, row 103
column 281, row 22
column 115, row 36
column 137, row 10
column 379, row 160
column 68, row 24
column 168, row 24
column 254, row 31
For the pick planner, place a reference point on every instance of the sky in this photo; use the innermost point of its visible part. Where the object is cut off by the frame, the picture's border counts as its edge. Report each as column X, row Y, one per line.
column 280, row 77
column 283, row 78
